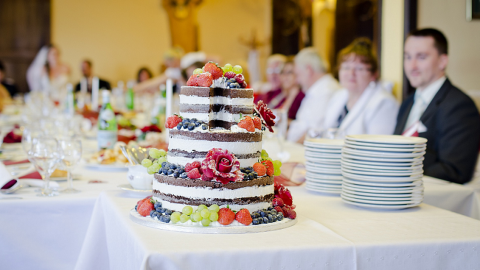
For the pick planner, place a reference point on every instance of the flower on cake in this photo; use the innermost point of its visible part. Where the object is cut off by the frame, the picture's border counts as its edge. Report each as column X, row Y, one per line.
column 222, row 166
column 266, row 114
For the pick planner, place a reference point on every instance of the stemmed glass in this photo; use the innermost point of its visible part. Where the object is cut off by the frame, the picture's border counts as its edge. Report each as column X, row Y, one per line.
column 45, row 155
column 29, row 134
column 70, row 155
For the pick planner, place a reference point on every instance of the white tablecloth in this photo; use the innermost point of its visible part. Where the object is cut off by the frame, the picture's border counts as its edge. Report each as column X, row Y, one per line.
column 329, row 234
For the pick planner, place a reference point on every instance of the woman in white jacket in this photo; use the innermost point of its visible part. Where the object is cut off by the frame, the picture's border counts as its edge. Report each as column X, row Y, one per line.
column 362, row 106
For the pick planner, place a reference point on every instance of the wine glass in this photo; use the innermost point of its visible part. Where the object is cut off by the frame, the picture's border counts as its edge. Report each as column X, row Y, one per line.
column 28, row 135
column 45, row 155
column 70, row 155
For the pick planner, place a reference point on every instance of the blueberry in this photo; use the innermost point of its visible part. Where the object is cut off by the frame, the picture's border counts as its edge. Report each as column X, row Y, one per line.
column 270, row 218
column 247, row 170
column 265, row 220
column 250, row 176
column 176, row 174
column 183, row 175
column 157, row 204
column 269, row 208
column 255, row 174
column 234, row 85
column 191, row 126
column 166, row 218
column 158, row 208
column 179, row 126
column 165, row 171
column 151, row 213
column 255, row 215
column 168, row 212
column 180, row 171
column 136, row 207
column 273, row 211
column 260, row 220
column 279, row 216
column 262, row 214
column 173, row 166
column 194, row 119
column 164, row 164
column 204, row 127
column 185, row 125
column 197, row 124
column 255, row 221
column 169, row 172
column 263, row 128
column 186, row 120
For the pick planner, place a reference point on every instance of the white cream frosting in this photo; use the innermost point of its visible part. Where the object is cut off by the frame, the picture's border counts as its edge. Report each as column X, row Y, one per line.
column 205, row 146
column 235, row 207
column 215, row 100
column 206, row 117
column 184, row 160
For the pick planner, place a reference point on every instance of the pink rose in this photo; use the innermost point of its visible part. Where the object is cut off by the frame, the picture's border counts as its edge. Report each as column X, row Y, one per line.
column 221, row 166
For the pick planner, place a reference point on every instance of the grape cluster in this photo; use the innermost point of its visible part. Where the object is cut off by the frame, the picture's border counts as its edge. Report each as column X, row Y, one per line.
column 153, row 163
column 190, row 124
column 202, row 214
column 265, row 216
column 248, row 173
column 162, row 214
column 277, row 164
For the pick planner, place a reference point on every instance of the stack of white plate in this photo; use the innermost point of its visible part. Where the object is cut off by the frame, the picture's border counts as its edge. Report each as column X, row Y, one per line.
column 323, row 165
column 383, row 171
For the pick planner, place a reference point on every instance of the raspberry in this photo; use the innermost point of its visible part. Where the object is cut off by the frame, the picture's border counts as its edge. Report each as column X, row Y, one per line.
column 145, row 208
column 193, row 165
column 243, row 85
column 269, row 165
column 260, row 169
column 230, row 75
column 243, row 216
column 194, row 174
column 240, row 79
column 257, row 122
column 192, row 81
column 172, row 121
column 225, row 216
column 206, row 178
column 204, row 79
column 279, row 209
column 291, row 214
column 213, row 69
column 247, row 124
column 278, row 202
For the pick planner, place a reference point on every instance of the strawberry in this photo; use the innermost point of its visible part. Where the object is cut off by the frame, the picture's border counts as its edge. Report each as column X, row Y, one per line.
column 278, row 202
column 247, row 123
column 192, row 81
column 204, row 79
column 257, row 122
column 143, row 200
column 145, row 208
column 243, row 216
column 225, row 216
column 230, row 74
column 260, row 169
column 240, row 79
column 172, row 121
column 193, row 165
column 213, row 69
column 269, row 165
column 194, row 174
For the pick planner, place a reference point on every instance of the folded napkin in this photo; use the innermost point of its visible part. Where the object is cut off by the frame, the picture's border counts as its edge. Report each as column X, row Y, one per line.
column 293, row 174
column 33, row 175
column 11, row 137
column 10, row 162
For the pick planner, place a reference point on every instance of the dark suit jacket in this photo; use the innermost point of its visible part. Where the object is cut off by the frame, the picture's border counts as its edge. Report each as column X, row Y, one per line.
column 102, row 85
column 453, row 133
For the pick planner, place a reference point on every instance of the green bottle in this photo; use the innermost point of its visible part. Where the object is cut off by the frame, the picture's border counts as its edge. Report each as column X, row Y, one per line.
column 129, row 99
column 107, row 124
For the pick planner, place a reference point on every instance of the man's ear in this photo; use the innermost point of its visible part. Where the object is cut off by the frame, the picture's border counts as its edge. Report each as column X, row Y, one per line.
column 443, row 62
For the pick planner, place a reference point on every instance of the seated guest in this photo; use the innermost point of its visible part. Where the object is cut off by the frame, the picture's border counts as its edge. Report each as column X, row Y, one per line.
column 7, row 82
column 87, row 79
column 362, row 106
column 438, row 111
column 319, row 86
column 144, row 74
column 275, row 63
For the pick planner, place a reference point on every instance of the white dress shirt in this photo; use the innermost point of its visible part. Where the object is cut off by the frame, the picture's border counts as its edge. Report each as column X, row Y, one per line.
column 311, row 113
column 422, row 99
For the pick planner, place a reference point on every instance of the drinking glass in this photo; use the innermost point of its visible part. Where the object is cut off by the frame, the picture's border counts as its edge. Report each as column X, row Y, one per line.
column 30, row 133
column 70, row 155
column 45, row 155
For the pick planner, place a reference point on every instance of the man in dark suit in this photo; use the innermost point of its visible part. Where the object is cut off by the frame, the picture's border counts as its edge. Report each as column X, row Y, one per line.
column 88, row 78
column 438, row 111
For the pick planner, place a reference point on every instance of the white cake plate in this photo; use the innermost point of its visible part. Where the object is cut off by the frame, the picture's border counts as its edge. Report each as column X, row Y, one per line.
column 179, row 227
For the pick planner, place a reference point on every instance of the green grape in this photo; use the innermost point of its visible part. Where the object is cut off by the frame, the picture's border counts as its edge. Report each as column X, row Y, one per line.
column 227, row 68
column 237, row 69
column 161, row 160
column 175, row 217
column 277, row 164
column 214, row 208
column 197, row 217
column 184, row 218
column 205, row 222
column 197, row 71
column 205, row 213
column 146, row 163
column 162, row 152
column 276, row 171
column 264, row 154
column 201, row 207
column 213, row 216
column 187, row 210
column 154, row 153
column 153, row 169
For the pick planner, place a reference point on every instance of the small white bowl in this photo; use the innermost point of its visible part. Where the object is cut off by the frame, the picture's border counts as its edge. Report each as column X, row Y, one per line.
column 139, row 178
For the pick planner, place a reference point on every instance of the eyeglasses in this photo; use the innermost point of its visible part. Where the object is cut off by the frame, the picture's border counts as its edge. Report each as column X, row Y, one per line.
column 276, row 70
column 356, row 69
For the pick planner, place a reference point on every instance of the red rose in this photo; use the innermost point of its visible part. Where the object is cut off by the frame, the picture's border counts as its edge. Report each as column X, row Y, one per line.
column 221, row 166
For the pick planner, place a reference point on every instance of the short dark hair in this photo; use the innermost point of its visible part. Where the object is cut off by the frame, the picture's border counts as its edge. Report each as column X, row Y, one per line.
column 2, row 67
column 140, row 72
column 88, row 62
column 440, row 41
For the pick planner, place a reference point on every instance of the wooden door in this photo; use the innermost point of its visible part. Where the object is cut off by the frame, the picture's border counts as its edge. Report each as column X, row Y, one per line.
column 24, row 28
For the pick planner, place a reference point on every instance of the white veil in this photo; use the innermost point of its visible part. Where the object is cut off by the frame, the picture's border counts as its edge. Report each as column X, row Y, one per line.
column 34, row 72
